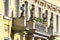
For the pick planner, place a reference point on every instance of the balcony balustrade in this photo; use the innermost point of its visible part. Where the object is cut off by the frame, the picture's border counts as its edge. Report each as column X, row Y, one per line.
column 29, row 24
column 50, row 31
column 19, row 23
column 42, row 29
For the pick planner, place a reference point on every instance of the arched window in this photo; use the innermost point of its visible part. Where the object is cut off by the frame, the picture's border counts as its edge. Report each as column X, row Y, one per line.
column 51, row 20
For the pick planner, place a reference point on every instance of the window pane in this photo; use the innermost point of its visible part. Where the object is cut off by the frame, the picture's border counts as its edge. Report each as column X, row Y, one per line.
column 26, row 9
column 57, row 23
column 39, row 12
column 46, row 14
column 51, row 20
column 46, row 17
column 6, row 7
column 17, row 8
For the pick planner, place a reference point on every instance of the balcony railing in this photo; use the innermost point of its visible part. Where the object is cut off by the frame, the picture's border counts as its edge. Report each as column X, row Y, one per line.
column 19, row 23
column 41, row 26
column 50, row 31
column 42, row 29
column 29, row 24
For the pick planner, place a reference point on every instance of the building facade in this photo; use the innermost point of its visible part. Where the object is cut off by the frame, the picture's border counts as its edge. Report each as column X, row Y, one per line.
column 29, row 19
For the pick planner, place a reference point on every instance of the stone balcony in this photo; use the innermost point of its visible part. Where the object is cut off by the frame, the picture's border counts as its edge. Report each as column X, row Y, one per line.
column 29, row 24
column 43, row 29
column 19, row 23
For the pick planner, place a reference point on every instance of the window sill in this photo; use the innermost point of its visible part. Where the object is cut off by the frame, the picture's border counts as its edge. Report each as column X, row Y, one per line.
column 7, row 18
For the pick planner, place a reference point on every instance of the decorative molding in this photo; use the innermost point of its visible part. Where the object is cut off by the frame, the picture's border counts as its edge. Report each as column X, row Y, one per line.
column 42, row 33
column 42, row 1
column 7, row 18
column 51, row 4
column 40, row 36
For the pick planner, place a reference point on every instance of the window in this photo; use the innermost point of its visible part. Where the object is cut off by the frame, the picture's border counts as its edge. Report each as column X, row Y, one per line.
column 46, row 14
column 26, row 9
column 40, row 13
column 51, row 20
column 17, row 8
column 57, row 23
column 46, row 11
column 45, row 17
column 33, row 10
column 6, row 5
